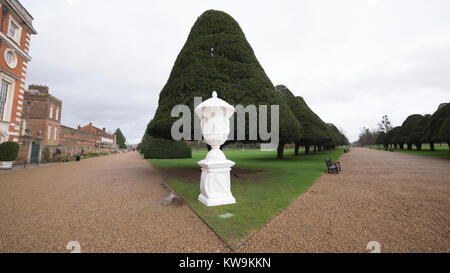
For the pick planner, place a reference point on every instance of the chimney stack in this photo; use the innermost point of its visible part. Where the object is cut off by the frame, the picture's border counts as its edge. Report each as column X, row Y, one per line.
column 43, row 89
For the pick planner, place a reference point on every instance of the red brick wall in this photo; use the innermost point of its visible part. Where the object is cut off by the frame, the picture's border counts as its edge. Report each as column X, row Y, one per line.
column 72, row 137
column 89, row 129
column 23, row 152
column 38, row 119
column 16, row 113
column 96, row 131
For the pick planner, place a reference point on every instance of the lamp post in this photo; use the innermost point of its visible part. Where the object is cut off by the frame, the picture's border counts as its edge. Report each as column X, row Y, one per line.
column 215, row 189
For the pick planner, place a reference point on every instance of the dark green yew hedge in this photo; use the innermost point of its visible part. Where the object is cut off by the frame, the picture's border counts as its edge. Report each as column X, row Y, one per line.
column 9, row 151
column 165, row 149
column 436, row 121
column 218, row 57
column 444, row 131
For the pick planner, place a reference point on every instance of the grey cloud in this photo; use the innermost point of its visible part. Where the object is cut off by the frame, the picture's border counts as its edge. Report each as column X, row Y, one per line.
column 353, row 61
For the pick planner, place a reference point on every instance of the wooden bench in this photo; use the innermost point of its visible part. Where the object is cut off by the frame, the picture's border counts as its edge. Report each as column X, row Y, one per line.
column 333, row 167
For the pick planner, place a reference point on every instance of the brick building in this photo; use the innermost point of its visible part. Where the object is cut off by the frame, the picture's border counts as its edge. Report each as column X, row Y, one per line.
column 16, row 28
column 41, row 115
column 104, row 139
column 41, row 129
column 73, row 137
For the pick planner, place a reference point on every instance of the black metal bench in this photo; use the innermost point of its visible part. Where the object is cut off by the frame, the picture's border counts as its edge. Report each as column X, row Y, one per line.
column 333, row 167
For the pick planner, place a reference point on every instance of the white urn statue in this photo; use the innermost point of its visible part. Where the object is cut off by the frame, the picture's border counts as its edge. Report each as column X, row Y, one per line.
column 215, row 186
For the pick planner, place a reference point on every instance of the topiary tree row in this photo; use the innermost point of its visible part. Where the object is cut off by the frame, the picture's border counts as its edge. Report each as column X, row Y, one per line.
column 444, row 131
column 389, row 140
column 436, row 121
column 418, row 129
column 412, row 131
column 217, row 56
column 382, row 139
column 338, row 138
column 316, row 132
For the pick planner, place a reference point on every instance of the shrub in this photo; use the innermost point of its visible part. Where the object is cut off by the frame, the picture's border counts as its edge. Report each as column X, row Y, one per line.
column 166, row 149
column 46, row 155
column 9, row 151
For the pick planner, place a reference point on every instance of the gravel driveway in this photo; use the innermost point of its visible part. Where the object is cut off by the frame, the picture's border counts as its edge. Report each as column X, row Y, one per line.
column 119, row 203
column 401, row 201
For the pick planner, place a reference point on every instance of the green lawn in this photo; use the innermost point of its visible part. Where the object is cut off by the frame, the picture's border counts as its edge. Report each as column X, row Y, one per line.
column 262, row 185
column 441, row 151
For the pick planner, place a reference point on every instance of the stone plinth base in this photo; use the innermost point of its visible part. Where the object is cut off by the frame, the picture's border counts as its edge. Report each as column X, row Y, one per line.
column 6, row 165
column 215, row 186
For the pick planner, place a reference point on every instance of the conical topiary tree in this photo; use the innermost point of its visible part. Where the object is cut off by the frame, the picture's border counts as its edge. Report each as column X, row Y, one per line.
column 337, row 138
column 381, row 139
column 389, row 140
column 444, row 131
column 435, row 123
column 315, row 130
column 412, row 131
column 217, row 56
column 120, row 139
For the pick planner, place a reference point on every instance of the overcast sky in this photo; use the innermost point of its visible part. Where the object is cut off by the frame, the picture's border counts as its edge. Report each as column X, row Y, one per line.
column 352, row 61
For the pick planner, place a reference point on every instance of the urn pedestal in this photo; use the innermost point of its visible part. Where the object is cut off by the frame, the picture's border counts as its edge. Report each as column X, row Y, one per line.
column 215, row 184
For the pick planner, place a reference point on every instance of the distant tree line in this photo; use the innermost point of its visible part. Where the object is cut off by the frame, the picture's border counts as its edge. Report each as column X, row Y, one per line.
column 414, row 132
column 367, row 137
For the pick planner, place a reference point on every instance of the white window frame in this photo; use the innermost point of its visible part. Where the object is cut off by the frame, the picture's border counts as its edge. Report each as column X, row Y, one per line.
column 55, row 130
column 7, row 112
column 4, row 92
column 57, row 114
column 49, row 132
column 18, row 33
column 51, row 112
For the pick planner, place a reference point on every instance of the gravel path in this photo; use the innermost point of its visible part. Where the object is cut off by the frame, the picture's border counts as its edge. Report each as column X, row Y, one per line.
column 120, row 203
column 115, row 203
column 402, row 201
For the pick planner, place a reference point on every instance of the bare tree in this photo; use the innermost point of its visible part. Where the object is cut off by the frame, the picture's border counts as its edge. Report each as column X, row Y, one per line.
column 367, row 137
column 385, row 124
